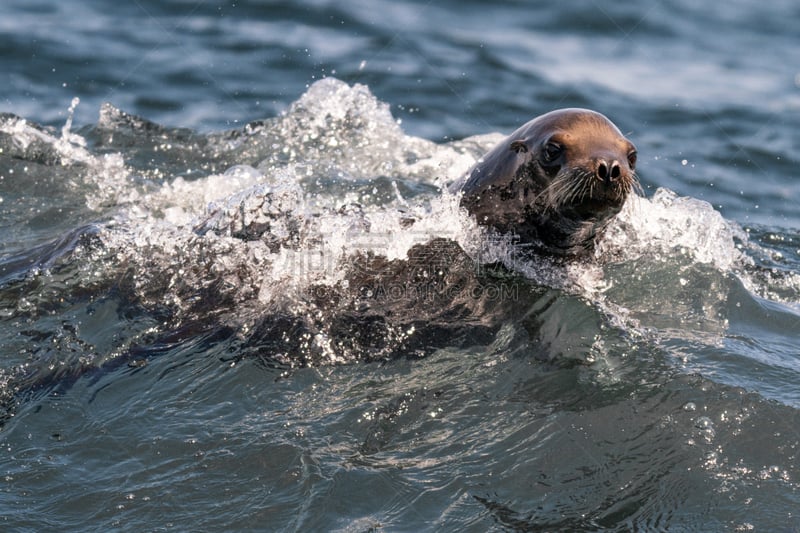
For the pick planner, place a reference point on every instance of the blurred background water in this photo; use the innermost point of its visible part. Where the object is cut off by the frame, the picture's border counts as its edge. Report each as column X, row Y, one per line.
column 149, row 385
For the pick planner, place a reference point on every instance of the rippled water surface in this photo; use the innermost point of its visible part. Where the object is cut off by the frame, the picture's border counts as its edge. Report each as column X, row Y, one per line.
column 235, row 293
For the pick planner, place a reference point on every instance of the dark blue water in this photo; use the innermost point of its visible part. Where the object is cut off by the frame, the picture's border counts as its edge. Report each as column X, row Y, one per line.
column 217, row 314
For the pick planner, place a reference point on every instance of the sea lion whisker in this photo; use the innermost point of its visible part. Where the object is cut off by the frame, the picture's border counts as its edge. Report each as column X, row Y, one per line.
column 570, row 180
column 581, row 184
column 588, row 191
column 634, row 185
column 558, row 192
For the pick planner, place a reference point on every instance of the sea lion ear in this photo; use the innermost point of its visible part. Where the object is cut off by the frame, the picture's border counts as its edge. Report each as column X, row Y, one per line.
column 519, row 146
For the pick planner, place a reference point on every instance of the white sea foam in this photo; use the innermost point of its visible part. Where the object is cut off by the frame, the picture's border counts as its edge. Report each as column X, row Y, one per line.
column 69, row 147
column 668, row 224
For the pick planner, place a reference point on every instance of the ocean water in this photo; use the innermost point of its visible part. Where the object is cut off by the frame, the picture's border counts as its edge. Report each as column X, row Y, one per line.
column 236, row 295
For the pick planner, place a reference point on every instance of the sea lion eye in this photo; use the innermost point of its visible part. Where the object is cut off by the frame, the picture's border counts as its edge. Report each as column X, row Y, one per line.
column 551, row 151
column 632, row 159
column 519, row 146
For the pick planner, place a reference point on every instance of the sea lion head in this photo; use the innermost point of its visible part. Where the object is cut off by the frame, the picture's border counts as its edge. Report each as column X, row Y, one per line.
column 556, row 182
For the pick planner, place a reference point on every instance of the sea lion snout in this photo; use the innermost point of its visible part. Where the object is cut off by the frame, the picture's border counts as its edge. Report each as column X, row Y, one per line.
column 608, row 171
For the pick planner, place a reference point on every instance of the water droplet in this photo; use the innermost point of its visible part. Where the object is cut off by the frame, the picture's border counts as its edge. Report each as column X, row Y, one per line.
column 704, row 423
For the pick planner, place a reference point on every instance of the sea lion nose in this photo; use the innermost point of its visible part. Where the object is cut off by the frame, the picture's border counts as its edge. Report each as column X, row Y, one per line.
column 608, row 171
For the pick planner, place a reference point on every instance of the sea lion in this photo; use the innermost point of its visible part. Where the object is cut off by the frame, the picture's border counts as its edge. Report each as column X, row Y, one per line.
column 556, row 182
